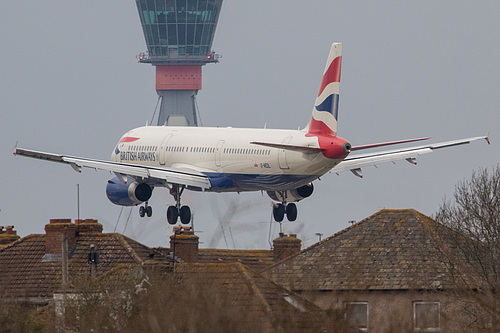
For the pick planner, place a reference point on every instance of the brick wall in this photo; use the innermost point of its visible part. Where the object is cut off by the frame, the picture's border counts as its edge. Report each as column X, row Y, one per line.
column 53, row 232
column 286, row 246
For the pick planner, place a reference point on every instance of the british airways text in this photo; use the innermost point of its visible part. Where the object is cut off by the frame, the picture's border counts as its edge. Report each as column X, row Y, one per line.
column 137, row 156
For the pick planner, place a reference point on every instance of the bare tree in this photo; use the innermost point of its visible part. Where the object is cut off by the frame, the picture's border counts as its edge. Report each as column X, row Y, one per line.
column 474, row 213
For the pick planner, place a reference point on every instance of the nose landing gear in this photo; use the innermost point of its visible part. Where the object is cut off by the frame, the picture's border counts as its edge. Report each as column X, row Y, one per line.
column 178, row 211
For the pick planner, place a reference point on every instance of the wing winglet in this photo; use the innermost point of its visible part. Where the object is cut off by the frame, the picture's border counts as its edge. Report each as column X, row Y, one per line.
column 14, row 150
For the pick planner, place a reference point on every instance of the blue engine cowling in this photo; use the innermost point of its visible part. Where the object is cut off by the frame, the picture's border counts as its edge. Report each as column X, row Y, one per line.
column 130, row 194
column 292, row 195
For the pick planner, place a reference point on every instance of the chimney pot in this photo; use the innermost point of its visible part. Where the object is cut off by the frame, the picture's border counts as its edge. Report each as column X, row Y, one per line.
column 7, row 235
column 60, row 221
column 10, row 230
column 89, row 226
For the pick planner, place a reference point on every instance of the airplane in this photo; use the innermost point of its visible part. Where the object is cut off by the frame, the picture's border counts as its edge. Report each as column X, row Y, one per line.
column 283, row 163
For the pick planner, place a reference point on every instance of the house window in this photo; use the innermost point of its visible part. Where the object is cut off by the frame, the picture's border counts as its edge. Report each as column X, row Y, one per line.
column 426, row 316
column 356, row 314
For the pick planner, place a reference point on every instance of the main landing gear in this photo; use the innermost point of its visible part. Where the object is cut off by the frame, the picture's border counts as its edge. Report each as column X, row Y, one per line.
column 145, row 210
column 178, row 211
column 280, row 209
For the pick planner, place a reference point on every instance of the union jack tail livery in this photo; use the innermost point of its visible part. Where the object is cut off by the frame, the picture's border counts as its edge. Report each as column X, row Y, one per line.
column 325, row 112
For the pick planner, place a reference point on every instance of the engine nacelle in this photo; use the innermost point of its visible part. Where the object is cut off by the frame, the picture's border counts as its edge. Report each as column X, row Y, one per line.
column 292, row 195
column 130, row 194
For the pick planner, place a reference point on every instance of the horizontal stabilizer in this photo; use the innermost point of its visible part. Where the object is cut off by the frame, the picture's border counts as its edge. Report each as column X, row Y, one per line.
column 410, row 154
column 382, row 144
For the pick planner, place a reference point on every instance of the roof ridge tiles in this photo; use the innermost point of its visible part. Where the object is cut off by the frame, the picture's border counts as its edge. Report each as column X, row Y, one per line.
column 20, row 240
column 126, row 245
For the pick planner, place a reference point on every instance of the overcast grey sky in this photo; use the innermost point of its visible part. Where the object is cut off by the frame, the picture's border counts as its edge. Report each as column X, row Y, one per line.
column 70, row 83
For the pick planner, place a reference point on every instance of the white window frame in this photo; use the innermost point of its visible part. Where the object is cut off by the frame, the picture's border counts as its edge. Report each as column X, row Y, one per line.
column 364, row 329
column 426, row 329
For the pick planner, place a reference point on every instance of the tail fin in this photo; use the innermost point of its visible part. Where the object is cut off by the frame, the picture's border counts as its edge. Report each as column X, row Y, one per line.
column 325, row 112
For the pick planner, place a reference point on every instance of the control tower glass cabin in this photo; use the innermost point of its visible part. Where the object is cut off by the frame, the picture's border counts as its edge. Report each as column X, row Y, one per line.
column 179, row 36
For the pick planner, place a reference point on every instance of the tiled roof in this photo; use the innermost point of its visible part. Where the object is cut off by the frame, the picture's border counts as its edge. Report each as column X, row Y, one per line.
column 250, row 293
column 390, row 250
column 26, row 273
column 257, row 260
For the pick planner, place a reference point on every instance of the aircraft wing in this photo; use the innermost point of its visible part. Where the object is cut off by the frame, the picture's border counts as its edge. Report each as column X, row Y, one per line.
column 354, row 163
column 122, row 171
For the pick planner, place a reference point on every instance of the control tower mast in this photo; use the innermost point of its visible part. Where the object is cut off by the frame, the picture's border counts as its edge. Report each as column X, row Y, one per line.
column 179, row 36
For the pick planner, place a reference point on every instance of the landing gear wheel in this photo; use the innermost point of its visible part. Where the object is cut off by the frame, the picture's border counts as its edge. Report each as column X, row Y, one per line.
column 291, row 212
column 142, row 211
column 172, row 214
column 149, row 211
column 278, row 212
column 185, row 214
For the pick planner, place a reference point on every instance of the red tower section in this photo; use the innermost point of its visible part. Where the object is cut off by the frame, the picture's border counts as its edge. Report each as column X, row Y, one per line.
column 178, row 77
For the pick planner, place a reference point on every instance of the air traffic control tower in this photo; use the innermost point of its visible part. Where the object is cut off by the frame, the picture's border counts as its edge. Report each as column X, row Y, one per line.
column 179, row 36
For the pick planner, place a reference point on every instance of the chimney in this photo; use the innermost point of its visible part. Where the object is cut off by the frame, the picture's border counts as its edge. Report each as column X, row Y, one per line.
column 286, row 246
column 184, row 244
column 53, row 232
column 88, row 226
column 8, row 235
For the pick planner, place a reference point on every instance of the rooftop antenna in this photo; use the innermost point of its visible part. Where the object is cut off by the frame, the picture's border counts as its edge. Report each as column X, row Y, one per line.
column 78, row 200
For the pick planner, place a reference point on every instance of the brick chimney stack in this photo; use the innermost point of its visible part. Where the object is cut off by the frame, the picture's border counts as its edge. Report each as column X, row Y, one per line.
column 8, row 235
column 53, row 232
column 88, row 226
column 184, row 244
column 286, row 246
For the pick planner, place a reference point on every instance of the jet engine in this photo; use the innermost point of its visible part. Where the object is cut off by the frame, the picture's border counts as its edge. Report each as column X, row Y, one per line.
column 292, row 195
column 131, row 193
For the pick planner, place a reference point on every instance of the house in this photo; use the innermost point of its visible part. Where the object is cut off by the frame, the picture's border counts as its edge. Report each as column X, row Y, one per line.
column 31, row 267
column 395, row 271
column 391, row 272
column 94, row 280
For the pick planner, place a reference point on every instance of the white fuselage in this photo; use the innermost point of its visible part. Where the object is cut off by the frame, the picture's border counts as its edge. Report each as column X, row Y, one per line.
column 227, row 156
